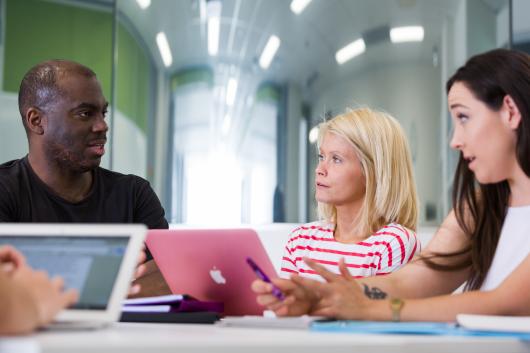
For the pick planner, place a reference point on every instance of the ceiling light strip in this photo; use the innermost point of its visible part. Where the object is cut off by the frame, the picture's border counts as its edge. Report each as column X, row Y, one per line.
column 268, row 53
column 163, row 47
column 350, row 51
column 144, row 4
column 407, row 34
column 297, row 6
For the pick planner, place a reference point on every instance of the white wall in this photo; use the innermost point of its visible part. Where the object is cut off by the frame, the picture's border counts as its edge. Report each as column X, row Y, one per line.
column 129, row 154
column 481, row 27
column 13, row 141
column 294, row 114
column 458, row 39
column 409, row 92
column 503, row 27
column 161, row 137
column 258, row 161
column 521, row 24
column 453, row 54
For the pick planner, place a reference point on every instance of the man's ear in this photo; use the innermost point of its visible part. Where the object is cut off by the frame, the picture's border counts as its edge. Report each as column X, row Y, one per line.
column 34, row 120
column 512, row 113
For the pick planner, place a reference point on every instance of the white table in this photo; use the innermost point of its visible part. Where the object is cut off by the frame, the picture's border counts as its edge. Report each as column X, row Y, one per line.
column 133, row 338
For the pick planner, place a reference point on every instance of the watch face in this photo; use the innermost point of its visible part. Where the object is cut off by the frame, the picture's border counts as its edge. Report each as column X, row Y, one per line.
column 395, row 305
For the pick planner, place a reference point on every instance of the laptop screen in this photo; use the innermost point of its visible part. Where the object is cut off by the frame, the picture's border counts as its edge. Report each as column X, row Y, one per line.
column 88, row 264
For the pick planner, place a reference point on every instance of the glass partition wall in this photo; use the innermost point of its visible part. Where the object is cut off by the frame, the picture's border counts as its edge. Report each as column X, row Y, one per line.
column 215, row 101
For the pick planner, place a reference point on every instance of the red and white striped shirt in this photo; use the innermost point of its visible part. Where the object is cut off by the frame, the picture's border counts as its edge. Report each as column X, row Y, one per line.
column 381, row 253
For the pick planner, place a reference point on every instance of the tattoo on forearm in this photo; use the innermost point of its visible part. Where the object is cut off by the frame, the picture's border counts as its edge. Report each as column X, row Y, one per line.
column 374, row 292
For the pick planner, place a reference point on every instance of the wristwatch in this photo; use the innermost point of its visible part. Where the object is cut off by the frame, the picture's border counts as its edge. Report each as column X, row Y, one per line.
column 396, row 305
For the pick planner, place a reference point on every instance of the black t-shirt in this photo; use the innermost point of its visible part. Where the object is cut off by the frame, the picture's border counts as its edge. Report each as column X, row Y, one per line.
column 114, row 198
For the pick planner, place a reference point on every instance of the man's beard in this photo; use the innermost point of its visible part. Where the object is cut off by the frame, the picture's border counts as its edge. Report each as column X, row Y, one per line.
column 69, row 160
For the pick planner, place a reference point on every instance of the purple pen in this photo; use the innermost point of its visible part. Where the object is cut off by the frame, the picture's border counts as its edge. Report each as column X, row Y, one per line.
column 261, row 275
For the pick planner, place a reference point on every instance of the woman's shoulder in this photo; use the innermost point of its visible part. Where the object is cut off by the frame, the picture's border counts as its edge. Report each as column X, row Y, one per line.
column 396, row 229
column 321, row 226
column 314, row 228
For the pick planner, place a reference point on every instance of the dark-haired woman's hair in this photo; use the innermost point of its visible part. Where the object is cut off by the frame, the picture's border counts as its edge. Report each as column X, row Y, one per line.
column 480, row 209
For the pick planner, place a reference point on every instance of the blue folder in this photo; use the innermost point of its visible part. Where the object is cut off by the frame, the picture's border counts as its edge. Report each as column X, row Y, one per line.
column 412, row 328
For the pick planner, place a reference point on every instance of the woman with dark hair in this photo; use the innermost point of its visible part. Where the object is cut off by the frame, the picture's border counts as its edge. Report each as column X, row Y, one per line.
column 484, row 242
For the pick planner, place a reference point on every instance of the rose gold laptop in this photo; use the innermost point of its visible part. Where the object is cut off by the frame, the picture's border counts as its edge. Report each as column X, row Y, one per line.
column 210, row 265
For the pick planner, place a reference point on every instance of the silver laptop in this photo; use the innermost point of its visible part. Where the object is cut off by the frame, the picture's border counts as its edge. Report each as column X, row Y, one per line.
column 97, row 260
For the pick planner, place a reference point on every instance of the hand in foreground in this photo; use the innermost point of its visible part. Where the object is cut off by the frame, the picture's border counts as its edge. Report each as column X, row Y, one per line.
column 340, row 296
column 298, row 300
column 46, row 295
column 10, row 259
column 140, row 271
column 150, row 283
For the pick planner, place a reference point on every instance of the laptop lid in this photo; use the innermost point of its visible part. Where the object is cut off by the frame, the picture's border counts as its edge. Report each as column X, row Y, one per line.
column 97, row 260
column 210, row 265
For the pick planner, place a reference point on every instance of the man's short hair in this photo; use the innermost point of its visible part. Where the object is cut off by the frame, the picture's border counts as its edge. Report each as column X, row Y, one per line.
column 40, row 87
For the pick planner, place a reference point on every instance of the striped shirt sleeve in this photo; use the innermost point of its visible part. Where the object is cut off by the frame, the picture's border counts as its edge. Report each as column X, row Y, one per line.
column 401, row 247
column 288, row 266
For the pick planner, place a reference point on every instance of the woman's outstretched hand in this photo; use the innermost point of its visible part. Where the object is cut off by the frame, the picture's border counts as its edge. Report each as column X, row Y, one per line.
column 340, row 296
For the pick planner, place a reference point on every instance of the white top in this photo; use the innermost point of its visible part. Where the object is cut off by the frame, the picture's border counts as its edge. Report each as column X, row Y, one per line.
column 513, row 246
column 381, row 253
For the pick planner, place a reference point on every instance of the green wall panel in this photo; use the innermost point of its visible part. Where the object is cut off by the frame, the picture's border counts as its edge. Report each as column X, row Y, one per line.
column 192, row 75
column 39, row 30
column 133, row 79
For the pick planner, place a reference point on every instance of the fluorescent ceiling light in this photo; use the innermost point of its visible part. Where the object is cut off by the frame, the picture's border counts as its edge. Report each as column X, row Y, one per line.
column 144, row 4
column 406, row 34
column 163, row 47
column 268, row 53
column 213, row 12
column 213, row 35
column 231, row 90
column 297, row 6
column 350, row 51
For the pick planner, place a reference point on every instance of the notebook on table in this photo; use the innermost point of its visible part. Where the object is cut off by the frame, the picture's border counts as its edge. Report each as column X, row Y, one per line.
column 303, row 322
column 495, row 323
column 411, row 328
column 175, row 303
column 97, row 260
column 210, row 265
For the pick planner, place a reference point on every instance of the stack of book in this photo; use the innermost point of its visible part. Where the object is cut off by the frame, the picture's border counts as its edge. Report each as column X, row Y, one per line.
column 174, row 308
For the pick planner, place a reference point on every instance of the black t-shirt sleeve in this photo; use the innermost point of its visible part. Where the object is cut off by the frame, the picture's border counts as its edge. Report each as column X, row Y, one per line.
column 147, row 209
column 7, row 204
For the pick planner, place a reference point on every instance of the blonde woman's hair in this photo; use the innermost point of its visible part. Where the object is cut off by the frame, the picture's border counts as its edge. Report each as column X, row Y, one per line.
column 384, row 153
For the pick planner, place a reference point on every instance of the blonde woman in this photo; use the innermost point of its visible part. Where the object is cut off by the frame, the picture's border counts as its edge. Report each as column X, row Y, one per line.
column 366, row 200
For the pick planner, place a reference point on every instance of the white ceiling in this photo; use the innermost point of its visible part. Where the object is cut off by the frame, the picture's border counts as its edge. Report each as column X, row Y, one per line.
column 308, row 41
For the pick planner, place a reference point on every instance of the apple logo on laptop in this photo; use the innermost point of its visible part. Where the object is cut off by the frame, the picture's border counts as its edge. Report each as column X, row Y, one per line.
column 217, row 276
